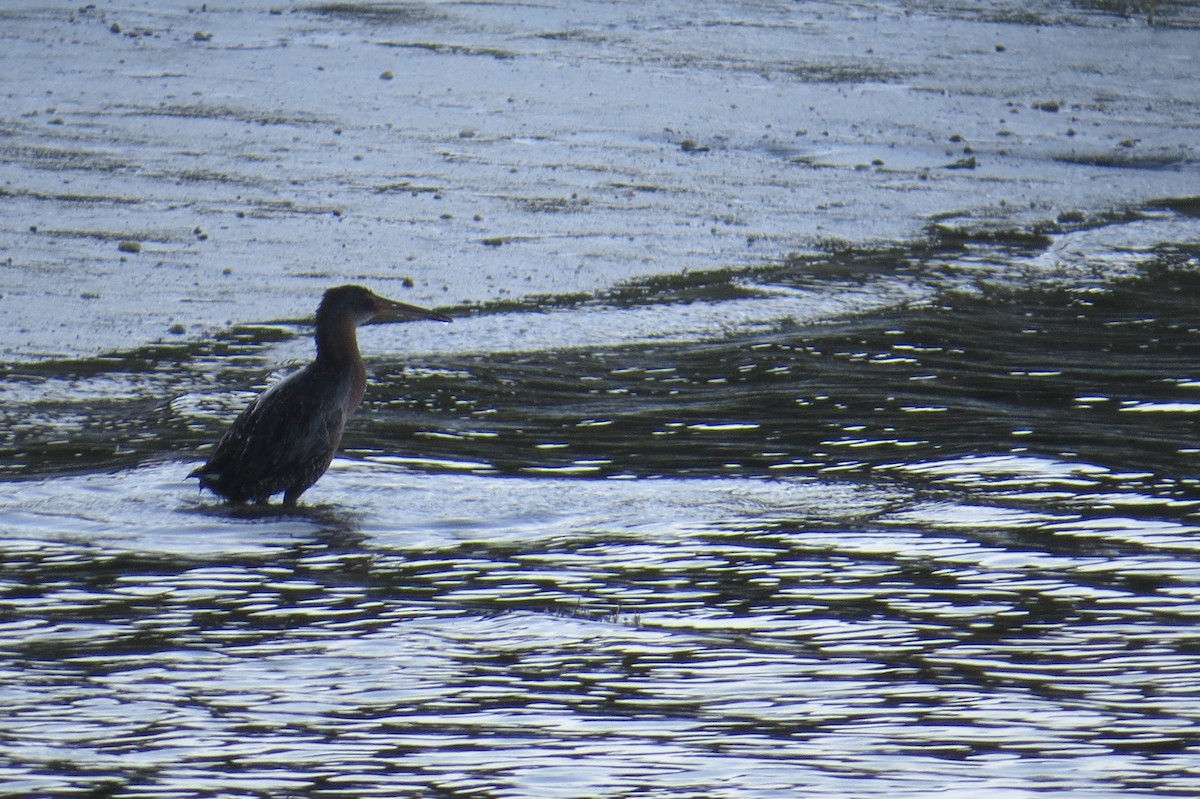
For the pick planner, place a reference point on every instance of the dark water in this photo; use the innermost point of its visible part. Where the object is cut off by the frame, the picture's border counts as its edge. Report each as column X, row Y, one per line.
column 947, row 545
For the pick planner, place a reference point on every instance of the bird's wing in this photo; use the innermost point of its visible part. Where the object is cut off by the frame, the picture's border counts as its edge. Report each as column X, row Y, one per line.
column 301, row 426
column 283, row 430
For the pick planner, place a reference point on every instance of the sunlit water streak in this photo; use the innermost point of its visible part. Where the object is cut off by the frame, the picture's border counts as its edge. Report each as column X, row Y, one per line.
column 670, row 636
column 949, row 547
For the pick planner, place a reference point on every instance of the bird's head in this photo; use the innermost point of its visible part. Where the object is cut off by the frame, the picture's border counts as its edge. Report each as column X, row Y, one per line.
column 359, row 305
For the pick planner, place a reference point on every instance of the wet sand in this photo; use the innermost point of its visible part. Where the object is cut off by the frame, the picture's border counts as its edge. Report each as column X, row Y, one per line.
column 167, row 173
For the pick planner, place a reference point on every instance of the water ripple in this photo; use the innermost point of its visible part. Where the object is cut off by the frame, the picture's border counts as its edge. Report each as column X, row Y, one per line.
column 948, row 549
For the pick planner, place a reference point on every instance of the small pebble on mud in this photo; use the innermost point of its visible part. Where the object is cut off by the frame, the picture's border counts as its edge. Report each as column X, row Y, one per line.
column 129, row 246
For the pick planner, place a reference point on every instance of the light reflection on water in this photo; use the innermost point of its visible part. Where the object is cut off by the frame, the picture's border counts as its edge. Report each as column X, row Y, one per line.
column 668, row 639
column 950, row 548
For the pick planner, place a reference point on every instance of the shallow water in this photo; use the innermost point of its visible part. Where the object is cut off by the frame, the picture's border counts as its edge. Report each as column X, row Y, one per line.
column 947, row 544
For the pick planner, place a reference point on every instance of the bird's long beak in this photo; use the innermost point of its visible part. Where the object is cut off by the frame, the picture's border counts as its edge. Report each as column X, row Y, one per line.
column 391, row 311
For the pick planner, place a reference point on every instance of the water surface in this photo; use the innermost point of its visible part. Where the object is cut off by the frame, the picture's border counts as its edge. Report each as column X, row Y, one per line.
column 946, row 544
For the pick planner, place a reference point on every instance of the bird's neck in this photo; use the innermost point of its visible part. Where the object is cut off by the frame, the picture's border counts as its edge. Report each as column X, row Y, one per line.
column 339, row 360
column 337, row 345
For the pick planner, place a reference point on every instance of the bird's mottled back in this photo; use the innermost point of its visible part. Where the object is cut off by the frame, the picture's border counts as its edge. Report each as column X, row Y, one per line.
column 283, row 441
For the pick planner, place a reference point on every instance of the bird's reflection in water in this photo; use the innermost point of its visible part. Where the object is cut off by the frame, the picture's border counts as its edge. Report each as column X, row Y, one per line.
column 329, row 524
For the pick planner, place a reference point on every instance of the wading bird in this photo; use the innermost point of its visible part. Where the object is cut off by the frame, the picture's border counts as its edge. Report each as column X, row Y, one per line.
column 286, row 437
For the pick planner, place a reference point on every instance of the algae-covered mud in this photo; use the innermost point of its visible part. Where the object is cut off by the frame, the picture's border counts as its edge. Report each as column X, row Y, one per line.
column 166, row 171
column 818, row 418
